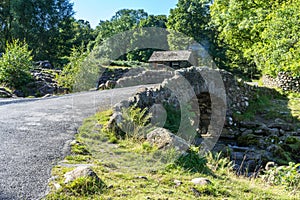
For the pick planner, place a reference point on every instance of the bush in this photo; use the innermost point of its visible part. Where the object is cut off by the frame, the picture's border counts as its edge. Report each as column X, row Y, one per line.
column 67, row 78
column 192, row 161
column 135, row 122
column 15, row 65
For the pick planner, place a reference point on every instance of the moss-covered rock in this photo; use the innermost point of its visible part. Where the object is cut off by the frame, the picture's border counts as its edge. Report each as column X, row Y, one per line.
column 248, row 140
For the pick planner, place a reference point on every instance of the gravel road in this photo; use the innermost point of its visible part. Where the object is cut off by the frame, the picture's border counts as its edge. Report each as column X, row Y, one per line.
column 34, row 134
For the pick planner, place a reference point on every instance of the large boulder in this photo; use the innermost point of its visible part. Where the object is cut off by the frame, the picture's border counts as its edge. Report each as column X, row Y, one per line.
column 164, row 139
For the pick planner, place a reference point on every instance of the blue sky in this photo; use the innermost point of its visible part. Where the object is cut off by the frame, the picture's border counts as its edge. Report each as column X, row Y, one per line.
column 96, row 10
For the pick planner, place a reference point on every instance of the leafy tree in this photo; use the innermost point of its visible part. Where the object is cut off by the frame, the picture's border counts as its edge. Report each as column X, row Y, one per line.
column 143, row 34
column 238, row 27
column 191, row 18
column 77, row 36
column 279, row 48
column 154, row 21
column 125, row 42
column 15, row 65
column 252, row 34
column 39, row 23
column 123, row 20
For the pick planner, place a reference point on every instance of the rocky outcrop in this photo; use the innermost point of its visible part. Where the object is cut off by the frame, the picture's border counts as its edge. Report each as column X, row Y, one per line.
column 197, row 83
column 201, row 181
column 43, row 83
column 284, row 80
column 252, row 144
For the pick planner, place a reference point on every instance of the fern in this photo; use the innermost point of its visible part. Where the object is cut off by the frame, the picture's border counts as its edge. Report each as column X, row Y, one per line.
column 135, row 122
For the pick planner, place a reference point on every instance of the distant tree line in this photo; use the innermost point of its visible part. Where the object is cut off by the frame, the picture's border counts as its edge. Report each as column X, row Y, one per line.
column 246, row 37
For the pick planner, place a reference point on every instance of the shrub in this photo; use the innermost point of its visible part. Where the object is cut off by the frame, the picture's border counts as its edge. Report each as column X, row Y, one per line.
column 67, row 78
column 192, row 161
column 135, row 122
column 15, row 65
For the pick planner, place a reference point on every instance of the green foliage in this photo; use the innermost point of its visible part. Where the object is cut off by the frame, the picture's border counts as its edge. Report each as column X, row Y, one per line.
column 135, row 122
column 248, row 140
column 130, row 177
column 288, row 176
column 123, row 20
column 84, row 186
column 173, row 118
column 78, row 158
column 179, row 121
column 128, row 29
column 45, row 25
column 69, row 76
column 216, row 162
column 81, row 149
column 192, row 161
column 15, row 65
column 279, row 48
column 258, row 35
column 190, row 17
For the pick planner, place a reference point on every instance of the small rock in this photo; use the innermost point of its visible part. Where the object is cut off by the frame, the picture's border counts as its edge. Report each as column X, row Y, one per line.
column 273, row 131
column 201, row 181
column 102, row 87
column 74, row 142
column 283, row 126
column 278, row 120
column 246, row 103
column 110, row 187
column 247, row 132
column 282, row 132
column 177, row 183
column 259, row 132
column 270, row 165
column 56, row 186
column 250, row 124
column 79, row 172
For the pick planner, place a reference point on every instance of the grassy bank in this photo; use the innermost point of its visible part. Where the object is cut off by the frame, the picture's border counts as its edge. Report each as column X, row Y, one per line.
column 133, row 169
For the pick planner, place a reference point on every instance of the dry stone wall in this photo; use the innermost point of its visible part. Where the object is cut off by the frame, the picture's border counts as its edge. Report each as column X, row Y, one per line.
column 250, row 144
column 284, row 81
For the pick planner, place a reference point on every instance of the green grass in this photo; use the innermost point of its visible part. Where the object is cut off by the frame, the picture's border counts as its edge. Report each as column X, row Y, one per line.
column 132, row 169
